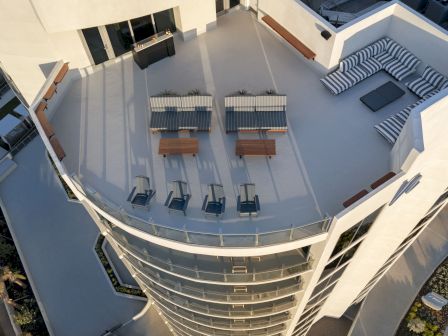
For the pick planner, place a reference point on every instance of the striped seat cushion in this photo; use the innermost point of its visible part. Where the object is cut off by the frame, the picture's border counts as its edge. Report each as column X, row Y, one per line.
column 444, row 85
column 398, row 70
column 348, row 63
column 384, row 58
column 382, row 43
column 403, row 115
column 337, row 82
column 433, row 77
column 390, row 128
column 420, row 87
column 372, row 66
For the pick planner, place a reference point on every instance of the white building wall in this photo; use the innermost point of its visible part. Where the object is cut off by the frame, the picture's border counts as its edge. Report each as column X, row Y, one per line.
column 396, row 221
column 419, row 35
column 37, row 34
column 303, row 23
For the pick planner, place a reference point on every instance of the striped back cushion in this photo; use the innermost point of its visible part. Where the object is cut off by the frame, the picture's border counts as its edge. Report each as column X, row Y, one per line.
column 365, row 54
column 433, row 77
column 408, row 59
column 348, row 63
column 393, row 48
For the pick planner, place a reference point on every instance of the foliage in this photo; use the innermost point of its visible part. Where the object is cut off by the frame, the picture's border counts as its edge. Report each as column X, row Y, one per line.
column 194, row 92
column 110, row 272
column 25, row 316
column 67, row 189
column 434, row 322
column 13, row 286
column 417, row 325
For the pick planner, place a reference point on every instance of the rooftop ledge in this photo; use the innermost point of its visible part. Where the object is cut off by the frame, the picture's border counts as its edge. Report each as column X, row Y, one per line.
column 330, row 152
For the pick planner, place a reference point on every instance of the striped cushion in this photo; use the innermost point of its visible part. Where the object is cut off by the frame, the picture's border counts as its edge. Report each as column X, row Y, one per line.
column 408, row 59
column 365, row 54
column 384, row 58
column 420, row 87
column 398, row 70
column 393, row 48
column 390, row 129
column 403, row 115
column 348, row 63
column 382, row 43
column 444, row 84
column 337, row 82
column 433, row 77
column 372, row 66
column 357, row 74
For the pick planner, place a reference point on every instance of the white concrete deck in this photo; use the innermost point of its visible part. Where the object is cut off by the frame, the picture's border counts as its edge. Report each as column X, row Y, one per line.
column 330, row 152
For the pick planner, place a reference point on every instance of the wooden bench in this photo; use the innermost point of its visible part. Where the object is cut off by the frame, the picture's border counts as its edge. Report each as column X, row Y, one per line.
column 61, row 74
column 255, row 147
column 381, row 180
column 291, row 39
column 57, row 147
column 42, row 117
column 178, row 146
column 50, row 92
column 355, row 198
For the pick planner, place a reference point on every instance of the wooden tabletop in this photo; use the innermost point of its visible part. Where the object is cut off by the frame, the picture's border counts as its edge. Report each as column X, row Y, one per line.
column 178, row 146
column 255, row 147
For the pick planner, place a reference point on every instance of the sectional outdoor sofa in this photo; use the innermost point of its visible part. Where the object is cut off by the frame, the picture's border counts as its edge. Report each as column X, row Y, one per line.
column 384, row 54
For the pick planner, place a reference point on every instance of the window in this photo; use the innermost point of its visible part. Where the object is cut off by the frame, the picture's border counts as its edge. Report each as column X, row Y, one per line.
column 120, row 37
column 355, row 232
column 342, row 258
column 142, row 27
column 165, row 21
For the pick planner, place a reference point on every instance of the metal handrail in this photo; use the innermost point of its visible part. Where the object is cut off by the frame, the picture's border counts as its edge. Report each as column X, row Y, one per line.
column 217, row 296
column 281, row 272
column 206, row 238
column 228, row 313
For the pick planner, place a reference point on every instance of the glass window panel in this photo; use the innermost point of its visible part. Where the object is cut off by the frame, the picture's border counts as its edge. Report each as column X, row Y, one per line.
column 120, row 37
column 95, row 44
column 142, row 27
column 234, row 3
column 165, row 21
column 219, row 6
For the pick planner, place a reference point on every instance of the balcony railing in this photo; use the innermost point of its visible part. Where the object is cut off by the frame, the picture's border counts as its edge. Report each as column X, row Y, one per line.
column 283, row 271
column 223, row 313
column 187, row 236
column 212, row 296
column 230, row 324
column 188, row 326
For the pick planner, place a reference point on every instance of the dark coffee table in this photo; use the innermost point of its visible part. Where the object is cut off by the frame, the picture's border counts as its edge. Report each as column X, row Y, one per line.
column 382, row 96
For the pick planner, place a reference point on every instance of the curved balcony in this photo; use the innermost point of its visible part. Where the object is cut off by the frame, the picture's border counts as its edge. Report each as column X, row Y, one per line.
column 282, row 271
column 219, row 297
column 226, row 324
column 184, row 235
column 188, row 327
column 256, row 310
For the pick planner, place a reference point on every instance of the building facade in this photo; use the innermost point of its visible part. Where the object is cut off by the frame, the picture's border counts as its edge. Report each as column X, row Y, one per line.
column 243, row 276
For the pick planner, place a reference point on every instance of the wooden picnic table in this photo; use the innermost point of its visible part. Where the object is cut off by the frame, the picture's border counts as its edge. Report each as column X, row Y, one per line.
column 255, row 147
column 178, row 146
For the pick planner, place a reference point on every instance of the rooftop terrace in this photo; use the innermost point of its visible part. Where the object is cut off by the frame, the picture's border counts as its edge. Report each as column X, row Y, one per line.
column 329, row 153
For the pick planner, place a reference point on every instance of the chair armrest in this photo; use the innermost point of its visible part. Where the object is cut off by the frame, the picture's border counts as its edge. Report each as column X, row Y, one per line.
column 131, row 195
column 223, row 204
column 168, row 199
column 204, row 204
column 238, row 203
column 257, row 202
column 187, row 199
